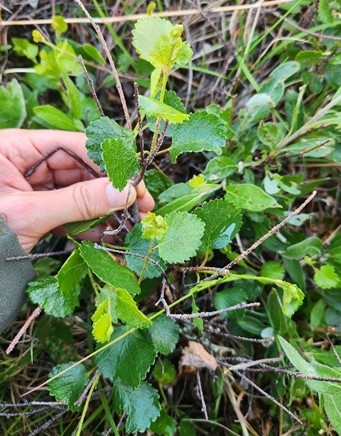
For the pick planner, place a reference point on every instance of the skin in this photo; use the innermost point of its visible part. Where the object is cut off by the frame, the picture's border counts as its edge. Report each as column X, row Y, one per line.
column 60, row 190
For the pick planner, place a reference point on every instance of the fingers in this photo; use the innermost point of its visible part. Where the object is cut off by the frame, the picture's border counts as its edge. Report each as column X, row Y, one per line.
column 145, row 201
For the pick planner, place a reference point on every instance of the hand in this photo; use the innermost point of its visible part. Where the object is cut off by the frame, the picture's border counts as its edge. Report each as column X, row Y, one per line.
column 60, row 190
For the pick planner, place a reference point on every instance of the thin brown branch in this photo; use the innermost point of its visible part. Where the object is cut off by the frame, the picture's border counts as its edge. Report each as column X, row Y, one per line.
column 23, row 329
column 134, row 17
column 111, row 62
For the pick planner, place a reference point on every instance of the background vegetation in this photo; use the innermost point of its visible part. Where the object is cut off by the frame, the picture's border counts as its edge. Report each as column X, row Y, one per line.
column 265, row 81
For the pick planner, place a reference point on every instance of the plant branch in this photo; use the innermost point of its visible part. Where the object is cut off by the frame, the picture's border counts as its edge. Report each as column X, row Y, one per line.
column 111, row 62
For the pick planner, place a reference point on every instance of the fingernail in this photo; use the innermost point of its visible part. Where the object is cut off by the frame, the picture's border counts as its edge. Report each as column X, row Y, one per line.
column 119, row 199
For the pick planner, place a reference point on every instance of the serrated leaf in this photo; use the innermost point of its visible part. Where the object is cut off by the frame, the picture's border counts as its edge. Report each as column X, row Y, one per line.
column 308, row 58
column 45, row 292
column 292, row 297
column 109, row 271
column 164, row 334
column 100, row 130
column 69, row 386
column 125, row 308
column 12, row 108
column 128, row 359
column 140, row 404
column 163, row 48
column 102, row 323
column 222, row 222
column 170, row 99
column 250, row 197
column 326, row 277
column 153, row 108
column 154, row 227
column 120, row 160
column 202, row 132
column 136, row 244
column 183, row 237
column 71, row 274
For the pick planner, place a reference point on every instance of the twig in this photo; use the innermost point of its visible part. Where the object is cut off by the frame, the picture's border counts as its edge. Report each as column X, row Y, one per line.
column 28, row 173
column 111, row 62
column 267, row 396
column 201, row 396
column 134, row 17
column 91, row 86
column 23, row 329
column 38, row 255
column 271, row 232
column 214, row 312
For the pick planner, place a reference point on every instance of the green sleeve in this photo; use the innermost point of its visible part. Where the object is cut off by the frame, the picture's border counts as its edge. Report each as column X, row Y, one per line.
column 14, row 276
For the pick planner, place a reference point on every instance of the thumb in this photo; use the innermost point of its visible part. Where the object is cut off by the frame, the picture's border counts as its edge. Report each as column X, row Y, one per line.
column 84, row 201
column 42, row 211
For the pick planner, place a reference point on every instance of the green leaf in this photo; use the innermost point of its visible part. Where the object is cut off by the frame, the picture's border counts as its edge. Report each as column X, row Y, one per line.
column 164, row 372
column 273, row 270
column 308, row 247
column 100, row 130
column 74, row 99
column 184, row 197
column 197, row 322
column 222, row 222
column 45, row 292
column 93, row 53
column 128, row 359
column 154, row 227
column 202, row 132
column 153, row 108
column 164, row 334
column 219, row 168
column 140, row 404
column 326, row 277
column 313, row 369
column 332, row 407
column 102, row 323
column 317, row 314
column 126, row 310
column 250, row 197
column 292, row 297
column 23, row 47
column 59, row 25
column 53, row 118
column 69, row 386
column 109, row 271
column 70, row 276
column 259, row 106
column 165, row 425
column 121, row 161
column 12, row 108
column 325, row 12
column 170, row 99
column 308, row 58
column 82, row 226
column 183, row 237
column 163, row 48
column 136, row 244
